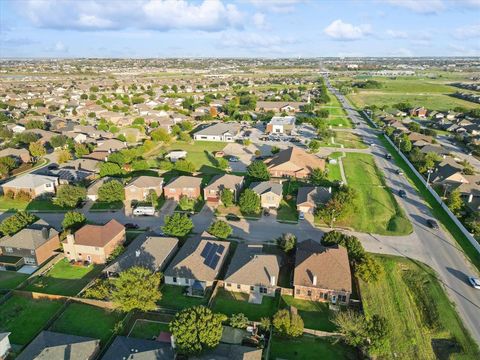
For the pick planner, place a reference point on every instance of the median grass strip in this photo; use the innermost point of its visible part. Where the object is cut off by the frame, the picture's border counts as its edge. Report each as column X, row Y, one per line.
column 11, row 279
column 422, row 322
column 24, row 318
column 434, row 206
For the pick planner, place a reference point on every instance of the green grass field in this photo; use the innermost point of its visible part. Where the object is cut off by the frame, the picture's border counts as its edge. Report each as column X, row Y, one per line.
column 24, row 318
column 347, row 139
column 173, row 298
column 315, row 315
column 287, row 211
column 64, row 279
column 86, row 320
column 146, row 329
column 229, row 303
column 334, row 169
column 418, row 312
column 34, row 205
column 11, row 279
column 308, row 348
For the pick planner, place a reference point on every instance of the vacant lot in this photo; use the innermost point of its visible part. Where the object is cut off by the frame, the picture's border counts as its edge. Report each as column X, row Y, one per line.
column 423, row 323
column 24, row 318
column 173, row 298
column 86, row 320
column 376, row 210
column 309, row 347
column 146, row 329
column 11, row 279
column 315, row 315
column 64, row 279
column 229, row 303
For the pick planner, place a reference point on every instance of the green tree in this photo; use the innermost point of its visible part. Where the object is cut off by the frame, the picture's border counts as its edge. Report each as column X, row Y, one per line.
column 63, row 156
column 111, row 191
column 7, row 164
column 227, row 197
column 160, row 135
column 117, row 158
column 185, row 203
column 110, row 169
column 73, row 220
column 184, row 166
column 16, row 222
column 137, row 288
column 177, row 225
column 368, row 269
column 69, row 195
column 196, row 329
column 288, row 323
column 220, row 229
column 454, row 201
column 318, row 176
column 239, row 321
column 36, row 149
column 35, row 124
column 258, row 170
column 250, row 202
column 287, row 242
column 58, row 141
column 222, row 164
column 81, row 150
column 314, row 146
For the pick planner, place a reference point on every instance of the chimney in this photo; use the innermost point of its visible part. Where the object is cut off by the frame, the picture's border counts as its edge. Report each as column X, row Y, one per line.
column 273, row 281
column 137, row 253
column 314, row 280
column 70, row 239
column 45, row 233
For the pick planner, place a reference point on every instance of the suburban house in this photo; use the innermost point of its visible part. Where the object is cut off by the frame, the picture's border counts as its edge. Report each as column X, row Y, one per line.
column 448, row 172
column 253, row 272
column 92, row 189
column 4, row 345
column 213, row 191
column 309, row 197
column 419, row 112
column 148, row 250
column 270, row 193
column 110, row 145
column 53, row 345
column 139, row 188
column 226, row 351
column 197, row 264
column 183, row 186
column 32, row 245
column 294, row 162
column 218, row 132
column 322, row 273
column 281, row 125
column 470, row 191
column 279, row 106
column 20, row 155
column 94, row 243
column 131, row 348
column 34, row 184
column 85, row 164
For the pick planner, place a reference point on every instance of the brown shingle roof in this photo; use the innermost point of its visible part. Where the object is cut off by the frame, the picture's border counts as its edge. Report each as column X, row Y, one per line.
column 296, row 157
column 98, row 235
column 184, row 182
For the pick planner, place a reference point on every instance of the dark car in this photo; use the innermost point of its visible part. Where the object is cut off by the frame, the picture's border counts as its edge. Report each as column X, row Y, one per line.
column 388, row 156
column 52, row 167
column 131, row 226
column 432, row 224
column 232, row 217
column 402, row 194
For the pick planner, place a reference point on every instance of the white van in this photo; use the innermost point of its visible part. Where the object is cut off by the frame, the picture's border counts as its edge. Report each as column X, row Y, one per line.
column 144, row 210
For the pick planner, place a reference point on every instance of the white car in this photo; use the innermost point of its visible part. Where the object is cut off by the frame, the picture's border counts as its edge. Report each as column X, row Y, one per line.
column 475, row 282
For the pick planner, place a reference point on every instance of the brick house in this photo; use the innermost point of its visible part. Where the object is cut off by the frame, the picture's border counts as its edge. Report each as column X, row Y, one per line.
column 94, row 243
column 33, row 184
column 183, row 185
column 139, row 188
column 322, row 273
column 294, row 162
column 213, row 191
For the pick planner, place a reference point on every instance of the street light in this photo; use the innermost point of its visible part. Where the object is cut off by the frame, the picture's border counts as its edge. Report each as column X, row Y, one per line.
column 429, row 171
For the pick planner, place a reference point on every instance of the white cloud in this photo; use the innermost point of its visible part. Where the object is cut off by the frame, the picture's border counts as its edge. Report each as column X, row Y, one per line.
column 340, row 30
column 278, row 6
column 162, row 15
column 402, row 52
column 396, row 34
column 259, row 20
column 458, row 50
column 58, row 48
column 467, row 32
column 420, row 6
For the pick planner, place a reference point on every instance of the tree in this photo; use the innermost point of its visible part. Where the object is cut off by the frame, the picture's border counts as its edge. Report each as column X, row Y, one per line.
column 222, row 163
column 63, row 156
column 81, row 150
column 239, row 321
column 137, row 288
column 185, row 166
column 454, row 201
column 69, row 195
column 258, row 170
column 318, row 176
column 185, row 203
column 220, row 229
column 111, row 191
column 314, row 146
column 368, row 269
column 16, row 222
column 250, row 202
column 287, row 242
column 160, row 135
column 36, row 149
column 73, row 220
column 196, row 329
column 265, row 323
column 227, row 197
column 7, row 164
column 337, row 206
column 177, row 225
column 110, row 169
column 35, row 124
column 152, row 198
column 117, row 158
column 58, row 141
column 288, row 323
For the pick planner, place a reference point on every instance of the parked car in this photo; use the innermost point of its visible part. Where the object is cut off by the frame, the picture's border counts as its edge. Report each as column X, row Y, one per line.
column 402, row 193
column 144, row 211
column 232, row 217
column 399, row 172
column 388, row 156
column 131, row 226
column 432, row 224
column 301, row 216
column 475, row 282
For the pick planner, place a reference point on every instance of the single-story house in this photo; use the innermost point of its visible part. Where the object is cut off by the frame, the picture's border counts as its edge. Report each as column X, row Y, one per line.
column 131, row 348
column 94, row 243
column 139, row 188
column 92, row 189
column 183, row 186
column 294, row 162
column 34, row 184
column 270, row 193
column 218, row 132
column 213, row 191
column 253, row 271
column 20, row 155
column 309, row 197
column 281, row 125
column 230, row 352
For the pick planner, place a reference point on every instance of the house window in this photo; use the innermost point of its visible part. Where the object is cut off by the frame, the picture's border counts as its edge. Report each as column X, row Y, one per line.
column 309, row 293
column 174, row 279
column 238, row 286
column 325, row 296
column 297, row 291
column 30, row 261
column 342, row 298
column 8, row 249
column 263, row 290
column 48, row 185
column 252, row 288
column 96, row 249
column 68, row 252
column 229, row 284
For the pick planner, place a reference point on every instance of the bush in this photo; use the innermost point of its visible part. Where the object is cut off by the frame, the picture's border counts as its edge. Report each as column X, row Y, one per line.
column 23, row 196
column 177, row 225
column 69, row 195
column 227, row 197
column 73, row 220
column 250, row 202
column 239, row 321
column 16, row 222
column 288, row 323
column 185, row 203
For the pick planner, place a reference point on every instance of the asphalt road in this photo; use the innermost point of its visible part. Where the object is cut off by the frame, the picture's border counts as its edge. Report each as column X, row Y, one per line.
column 436, row 247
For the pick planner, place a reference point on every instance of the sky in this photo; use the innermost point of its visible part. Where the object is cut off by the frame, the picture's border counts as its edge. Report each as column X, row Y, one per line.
column 238, row 28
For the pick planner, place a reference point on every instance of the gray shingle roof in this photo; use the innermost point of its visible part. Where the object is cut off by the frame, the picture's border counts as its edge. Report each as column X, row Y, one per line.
column 31, row 237
column 267, row 186
column 220, row 129
column 138, row 349
column 30, row 181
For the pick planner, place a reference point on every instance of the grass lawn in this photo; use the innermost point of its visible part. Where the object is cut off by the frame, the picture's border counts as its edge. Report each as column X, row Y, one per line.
column 436, row 209
column 315, row 315
column 339, row 121
column 229, row 303
column 287, row 211
column 309, row 347
column 197, row 206
column 34, row 205
column 349, row 140
column 24, row 318
column 418, row 312
column 173, row 298
column 86, row 320
column 199, row 153
column 11, row 279
column 334, row 169
column 376, row 210
column 235, row 210
column 64, row 279
column 147, row 329
column 104, row 206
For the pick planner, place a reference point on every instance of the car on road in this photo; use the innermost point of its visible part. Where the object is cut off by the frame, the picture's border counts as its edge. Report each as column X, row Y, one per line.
column 402, row 193
column 301, row 216
column 232, row 217
column 432, row 224
column 399, row 172
column 475, row 282
column 388, row 156
column 131, row 226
